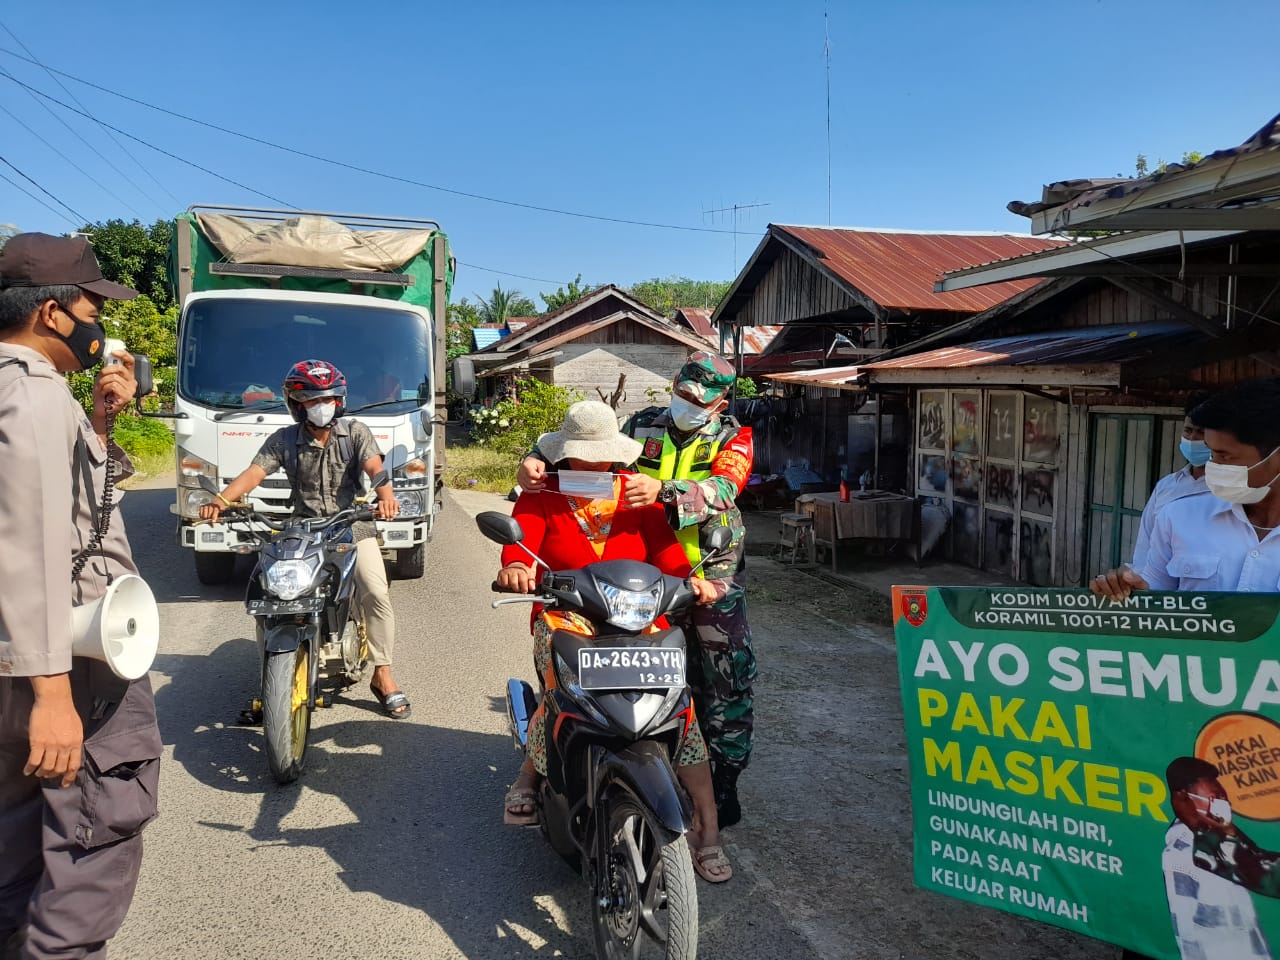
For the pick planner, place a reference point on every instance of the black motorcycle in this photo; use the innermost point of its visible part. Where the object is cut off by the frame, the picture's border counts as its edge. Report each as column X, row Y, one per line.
column 611, row 804
column 301, row 594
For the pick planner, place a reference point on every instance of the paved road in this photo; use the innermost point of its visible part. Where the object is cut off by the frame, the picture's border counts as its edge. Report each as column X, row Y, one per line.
column 392, row 845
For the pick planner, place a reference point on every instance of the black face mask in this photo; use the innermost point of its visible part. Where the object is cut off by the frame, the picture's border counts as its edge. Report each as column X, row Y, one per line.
column 86, row 340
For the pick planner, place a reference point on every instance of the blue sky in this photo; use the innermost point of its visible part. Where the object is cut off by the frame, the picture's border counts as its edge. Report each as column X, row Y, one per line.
column 941, row 112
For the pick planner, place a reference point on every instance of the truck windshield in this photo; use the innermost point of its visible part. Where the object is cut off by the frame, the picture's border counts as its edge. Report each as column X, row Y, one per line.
column 235, row 353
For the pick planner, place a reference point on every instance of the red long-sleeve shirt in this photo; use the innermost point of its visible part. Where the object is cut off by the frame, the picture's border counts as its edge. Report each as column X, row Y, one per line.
column 552, row 532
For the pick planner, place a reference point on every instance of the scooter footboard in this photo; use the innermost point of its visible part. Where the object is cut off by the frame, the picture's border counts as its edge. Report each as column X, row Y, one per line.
column 645, row 770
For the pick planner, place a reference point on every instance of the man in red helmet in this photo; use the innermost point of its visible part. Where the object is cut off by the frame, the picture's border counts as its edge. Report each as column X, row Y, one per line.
column 322, row 454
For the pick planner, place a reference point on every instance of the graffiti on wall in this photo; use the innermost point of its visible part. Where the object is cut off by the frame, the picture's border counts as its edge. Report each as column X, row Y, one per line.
column 933, row 474
column 1035, row 551
column 1040, row 438
column 964, row 424
column 933, row 422
column 1037, row 490
column 966, row 478
column 1002, row 480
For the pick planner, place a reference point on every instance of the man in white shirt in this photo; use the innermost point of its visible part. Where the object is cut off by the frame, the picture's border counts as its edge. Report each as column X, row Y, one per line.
column 1187, row 482
column 1227, row 541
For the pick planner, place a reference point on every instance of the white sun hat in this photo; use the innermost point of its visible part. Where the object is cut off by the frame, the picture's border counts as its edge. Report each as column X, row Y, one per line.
column 589, row 432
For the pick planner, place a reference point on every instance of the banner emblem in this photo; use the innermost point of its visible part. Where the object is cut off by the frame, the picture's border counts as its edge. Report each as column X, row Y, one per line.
column 915, row 607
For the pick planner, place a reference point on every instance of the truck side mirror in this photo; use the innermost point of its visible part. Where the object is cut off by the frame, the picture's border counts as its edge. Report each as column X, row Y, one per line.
column 464, row 377
column 146, row 381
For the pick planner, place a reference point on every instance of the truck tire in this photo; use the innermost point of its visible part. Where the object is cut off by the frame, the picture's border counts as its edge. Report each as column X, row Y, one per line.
column 215, row 568
column 411, row 564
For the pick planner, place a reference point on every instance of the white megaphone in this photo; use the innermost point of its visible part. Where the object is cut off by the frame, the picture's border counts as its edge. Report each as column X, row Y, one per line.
column 122, row 629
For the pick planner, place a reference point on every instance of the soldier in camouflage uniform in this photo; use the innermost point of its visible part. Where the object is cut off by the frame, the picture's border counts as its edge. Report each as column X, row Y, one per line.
column 695, row 460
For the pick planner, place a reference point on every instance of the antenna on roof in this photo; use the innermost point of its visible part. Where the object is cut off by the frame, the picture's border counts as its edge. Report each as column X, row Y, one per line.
column 725, row 210
column 826, row 51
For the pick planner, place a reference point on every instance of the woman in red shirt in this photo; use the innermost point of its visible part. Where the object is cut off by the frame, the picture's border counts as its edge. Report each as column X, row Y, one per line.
column 569, row 532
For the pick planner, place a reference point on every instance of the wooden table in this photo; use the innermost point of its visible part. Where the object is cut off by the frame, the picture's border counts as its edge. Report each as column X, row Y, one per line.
column 869, row 515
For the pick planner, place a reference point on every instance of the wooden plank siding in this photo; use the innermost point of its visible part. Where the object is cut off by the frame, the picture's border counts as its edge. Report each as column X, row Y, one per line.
column 586, row 366
column 791, row 290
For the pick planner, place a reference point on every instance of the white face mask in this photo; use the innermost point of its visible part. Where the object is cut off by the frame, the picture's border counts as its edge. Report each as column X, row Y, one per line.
column 687, row 415
column 1230, row 482
column 321, row 413
column 1219, row 808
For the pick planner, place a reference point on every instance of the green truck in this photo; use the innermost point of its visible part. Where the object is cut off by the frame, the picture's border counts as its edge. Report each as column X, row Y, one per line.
column 262, row 289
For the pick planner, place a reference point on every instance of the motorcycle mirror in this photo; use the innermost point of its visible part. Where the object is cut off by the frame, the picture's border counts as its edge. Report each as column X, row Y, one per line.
column 720, row 539
column 499, row 527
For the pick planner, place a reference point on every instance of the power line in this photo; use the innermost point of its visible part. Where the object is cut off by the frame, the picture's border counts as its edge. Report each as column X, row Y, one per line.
column 104, row 127
column 52, row 209
column 520, row 276
column 83, row 219
column 96, row 182
column 148, row 144
column 358, row 169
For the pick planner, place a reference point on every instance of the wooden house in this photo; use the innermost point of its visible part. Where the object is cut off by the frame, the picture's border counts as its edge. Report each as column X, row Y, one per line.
column 607, row 345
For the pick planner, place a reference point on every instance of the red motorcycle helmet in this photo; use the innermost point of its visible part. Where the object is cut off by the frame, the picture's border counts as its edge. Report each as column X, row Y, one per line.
column 311, row 379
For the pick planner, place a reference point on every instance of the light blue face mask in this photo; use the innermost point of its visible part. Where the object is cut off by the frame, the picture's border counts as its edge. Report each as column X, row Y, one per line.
column 1196, row 452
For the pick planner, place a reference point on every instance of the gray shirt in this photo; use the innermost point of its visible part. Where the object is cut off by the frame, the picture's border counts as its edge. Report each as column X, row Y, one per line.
column 51, row 485
column 326, row 482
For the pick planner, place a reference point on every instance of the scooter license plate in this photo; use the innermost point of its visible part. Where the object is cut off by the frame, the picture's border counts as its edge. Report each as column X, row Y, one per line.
column 630, row 668
column 274, row 608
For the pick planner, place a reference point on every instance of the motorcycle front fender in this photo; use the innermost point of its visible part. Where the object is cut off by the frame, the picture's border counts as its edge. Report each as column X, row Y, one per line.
column 643, row 769
column 286, row 637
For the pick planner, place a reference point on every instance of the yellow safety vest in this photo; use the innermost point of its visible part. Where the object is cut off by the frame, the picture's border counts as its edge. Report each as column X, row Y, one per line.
column 693, row 462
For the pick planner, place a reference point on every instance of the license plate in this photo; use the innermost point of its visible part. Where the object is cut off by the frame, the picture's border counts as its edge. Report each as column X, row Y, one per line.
column 278, row 607
column 630, row 668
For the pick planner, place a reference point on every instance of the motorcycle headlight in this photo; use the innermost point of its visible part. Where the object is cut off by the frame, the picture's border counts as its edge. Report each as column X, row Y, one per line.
column 630, row 609
column 289, row 579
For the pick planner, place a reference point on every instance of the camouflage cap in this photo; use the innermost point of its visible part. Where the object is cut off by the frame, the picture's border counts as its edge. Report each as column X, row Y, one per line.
column 705, row 377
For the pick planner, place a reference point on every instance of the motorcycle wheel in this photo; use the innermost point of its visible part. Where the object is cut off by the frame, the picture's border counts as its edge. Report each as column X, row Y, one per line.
column 645, row 903
column 286, row 718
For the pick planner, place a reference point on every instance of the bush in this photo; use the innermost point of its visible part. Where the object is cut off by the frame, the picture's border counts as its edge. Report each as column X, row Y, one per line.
column 512, row 426
column 142, row 437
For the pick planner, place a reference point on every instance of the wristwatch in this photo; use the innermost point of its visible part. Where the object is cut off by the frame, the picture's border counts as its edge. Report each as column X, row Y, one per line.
column 668, row 493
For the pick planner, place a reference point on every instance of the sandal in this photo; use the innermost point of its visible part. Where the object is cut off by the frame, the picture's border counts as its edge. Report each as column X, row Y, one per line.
column 707, row 859
column 519, row 796
column 395, row 703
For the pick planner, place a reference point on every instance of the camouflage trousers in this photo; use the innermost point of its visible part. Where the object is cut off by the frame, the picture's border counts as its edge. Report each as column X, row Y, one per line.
column 693, row 749
column 722, row 667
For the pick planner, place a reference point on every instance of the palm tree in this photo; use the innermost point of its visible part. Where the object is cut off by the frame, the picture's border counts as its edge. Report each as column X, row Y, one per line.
column 502, row 305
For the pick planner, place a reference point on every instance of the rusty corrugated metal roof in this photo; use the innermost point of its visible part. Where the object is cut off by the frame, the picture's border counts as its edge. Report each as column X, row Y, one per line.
column 757, row 339
column 1081, row 345
column 897, row 269
column 699, row 320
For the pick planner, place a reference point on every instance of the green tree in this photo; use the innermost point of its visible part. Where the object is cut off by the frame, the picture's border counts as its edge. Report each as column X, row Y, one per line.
column 463, row 316
column 563, row 296
column 512, row 426
column 135, row 255
column 664, row 295
column 502, row 305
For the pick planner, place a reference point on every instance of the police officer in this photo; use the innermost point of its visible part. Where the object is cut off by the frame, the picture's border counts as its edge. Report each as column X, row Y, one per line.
column 695, row 460
column 79, row 748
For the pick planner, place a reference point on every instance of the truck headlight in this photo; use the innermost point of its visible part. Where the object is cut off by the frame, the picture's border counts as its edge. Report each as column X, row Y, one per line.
column 415, row 469
column 192, row 501
column 289, row 579
column 630, row 609
column 412, row 502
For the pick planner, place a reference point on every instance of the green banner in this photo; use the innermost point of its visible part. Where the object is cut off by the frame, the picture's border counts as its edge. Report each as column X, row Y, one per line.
column 1110, row 768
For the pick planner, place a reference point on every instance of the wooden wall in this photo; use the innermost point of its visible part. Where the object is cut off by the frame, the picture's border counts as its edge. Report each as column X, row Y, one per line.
column 791, row 289
column 586, row 366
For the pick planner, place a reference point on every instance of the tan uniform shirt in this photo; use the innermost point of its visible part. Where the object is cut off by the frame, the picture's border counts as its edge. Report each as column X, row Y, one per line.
column 52, row 476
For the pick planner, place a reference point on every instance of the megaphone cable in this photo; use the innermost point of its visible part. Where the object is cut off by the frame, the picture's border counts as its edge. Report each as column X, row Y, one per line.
column 104, row 513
